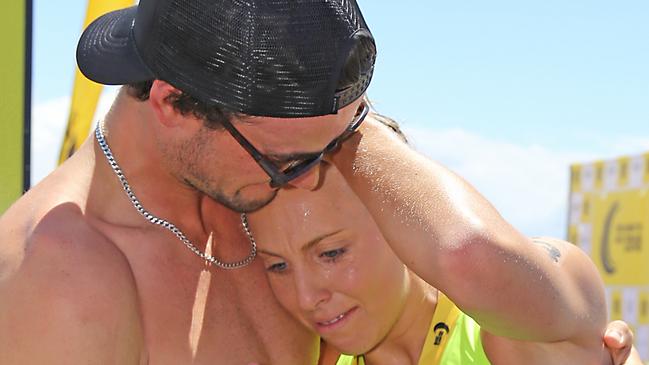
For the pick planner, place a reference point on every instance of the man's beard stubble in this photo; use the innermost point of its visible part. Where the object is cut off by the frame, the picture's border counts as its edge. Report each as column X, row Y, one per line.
column 235, row 202
column 185, row 158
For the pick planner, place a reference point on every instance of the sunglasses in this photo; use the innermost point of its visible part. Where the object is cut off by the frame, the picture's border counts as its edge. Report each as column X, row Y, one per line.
column 281, row 176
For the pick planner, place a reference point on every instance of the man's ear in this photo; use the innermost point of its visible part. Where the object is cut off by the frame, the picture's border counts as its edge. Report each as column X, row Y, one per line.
column 162, row 107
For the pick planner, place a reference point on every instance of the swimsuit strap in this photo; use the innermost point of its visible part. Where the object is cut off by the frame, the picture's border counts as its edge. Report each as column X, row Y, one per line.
column 441, row 328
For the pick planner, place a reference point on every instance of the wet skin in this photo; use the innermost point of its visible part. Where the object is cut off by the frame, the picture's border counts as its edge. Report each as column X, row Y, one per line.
column 329, row 265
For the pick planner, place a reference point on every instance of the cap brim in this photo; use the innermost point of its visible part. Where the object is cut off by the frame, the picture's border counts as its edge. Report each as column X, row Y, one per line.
column 107, row 53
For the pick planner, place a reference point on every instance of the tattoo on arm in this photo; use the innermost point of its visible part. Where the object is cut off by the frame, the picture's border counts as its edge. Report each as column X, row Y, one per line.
column 554, row 252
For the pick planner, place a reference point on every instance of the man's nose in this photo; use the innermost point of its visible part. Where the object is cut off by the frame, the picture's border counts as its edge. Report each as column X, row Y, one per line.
column 309, row 180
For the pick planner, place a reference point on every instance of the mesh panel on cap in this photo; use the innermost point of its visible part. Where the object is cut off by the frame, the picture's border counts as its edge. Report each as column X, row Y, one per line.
column 259, row 57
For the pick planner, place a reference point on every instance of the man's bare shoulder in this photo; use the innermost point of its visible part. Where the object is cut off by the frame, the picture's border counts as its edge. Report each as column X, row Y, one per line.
column 35, row 231
column 65, row 289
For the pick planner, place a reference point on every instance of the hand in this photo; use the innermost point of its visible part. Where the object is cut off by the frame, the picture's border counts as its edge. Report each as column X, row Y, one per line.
column 618, row 340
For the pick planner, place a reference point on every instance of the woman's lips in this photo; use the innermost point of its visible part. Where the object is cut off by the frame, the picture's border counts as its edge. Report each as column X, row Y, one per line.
column 336, row 322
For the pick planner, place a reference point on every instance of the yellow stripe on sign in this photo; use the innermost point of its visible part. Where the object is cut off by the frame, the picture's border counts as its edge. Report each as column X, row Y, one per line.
column 587, row 207
column 643, row 308
column 86, row 93
column 13, row 76
column 624, row 172
column 616, row 305
column 573, row 237
column 575, row 178
column 599, row 175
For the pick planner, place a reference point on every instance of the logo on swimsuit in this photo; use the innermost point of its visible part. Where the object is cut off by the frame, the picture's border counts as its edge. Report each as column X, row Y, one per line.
column 440, row 330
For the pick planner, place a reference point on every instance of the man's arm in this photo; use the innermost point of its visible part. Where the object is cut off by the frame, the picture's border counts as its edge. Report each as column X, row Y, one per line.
column 66, row 299
column 447, row 233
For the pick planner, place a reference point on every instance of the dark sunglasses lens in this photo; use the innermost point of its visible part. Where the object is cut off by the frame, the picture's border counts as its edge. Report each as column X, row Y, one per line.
column 296, row 170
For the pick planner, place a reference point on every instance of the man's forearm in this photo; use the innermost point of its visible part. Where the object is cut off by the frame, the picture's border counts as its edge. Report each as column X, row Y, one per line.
column 454, row 239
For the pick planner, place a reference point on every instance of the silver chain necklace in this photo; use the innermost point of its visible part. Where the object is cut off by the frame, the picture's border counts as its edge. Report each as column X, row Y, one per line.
column 99, row 135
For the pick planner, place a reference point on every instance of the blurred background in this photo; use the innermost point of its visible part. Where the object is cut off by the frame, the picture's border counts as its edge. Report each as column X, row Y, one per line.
column 508, row 94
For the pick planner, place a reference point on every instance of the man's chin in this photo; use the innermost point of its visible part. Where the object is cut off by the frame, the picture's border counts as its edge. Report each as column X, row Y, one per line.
column 246, row 199
column 243, row 204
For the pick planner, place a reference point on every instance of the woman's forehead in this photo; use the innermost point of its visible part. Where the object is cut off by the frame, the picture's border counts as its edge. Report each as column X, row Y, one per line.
column 296, row 214
column 300, row 206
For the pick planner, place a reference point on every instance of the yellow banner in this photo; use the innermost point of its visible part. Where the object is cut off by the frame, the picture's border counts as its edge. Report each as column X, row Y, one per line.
column 85, row 95
column 609, row 219
column 15, row 34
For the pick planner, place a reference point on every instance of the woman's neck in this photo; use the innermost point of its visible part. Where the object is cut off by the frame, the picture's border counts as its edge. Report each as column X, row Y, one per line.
column 405, row 341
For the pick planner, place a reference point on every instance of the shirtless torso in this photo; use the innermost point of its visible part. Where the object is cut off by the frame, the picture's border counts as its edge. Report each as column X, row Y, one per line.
column 94, row 289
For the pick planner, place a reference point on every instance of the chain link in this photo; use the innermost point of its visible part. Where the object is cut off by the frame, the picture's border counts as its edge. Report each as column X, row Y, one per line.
column 99, row 134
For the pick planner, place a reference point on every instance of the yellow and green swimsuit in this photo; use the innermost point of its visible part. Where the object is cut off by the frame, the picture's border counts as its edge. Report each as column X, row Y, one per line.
column 453, row 339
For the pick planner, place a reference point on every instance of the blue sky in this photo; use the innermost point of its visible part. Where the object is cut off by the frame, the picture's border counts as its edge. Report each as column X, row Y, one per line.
column 506, row 93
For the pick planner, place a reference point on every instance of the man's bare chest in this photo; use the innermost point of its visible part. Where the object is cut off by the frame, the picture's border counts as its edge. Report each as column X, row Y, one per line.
column 195, row 313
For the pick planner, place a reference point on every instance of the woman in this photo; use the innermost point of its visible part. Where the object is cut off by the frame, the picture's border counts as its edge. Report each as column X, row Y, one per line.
column 330, row 265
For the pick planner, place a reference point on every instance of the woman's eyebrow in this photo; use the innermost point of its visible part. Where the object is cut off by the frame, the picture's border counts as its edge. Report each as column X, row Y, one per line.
column 307, row 246
column 317, row 240
column 260, row 250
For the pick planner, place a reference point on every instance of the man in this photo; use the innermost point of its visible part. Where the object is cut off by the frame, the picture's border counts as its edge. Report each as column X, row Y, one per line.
column 88, row 276
column 123, row 254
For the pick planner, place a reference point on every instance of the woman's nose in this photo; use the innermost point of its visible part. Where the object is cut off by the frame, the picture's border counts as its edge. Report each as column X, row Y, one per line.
column 311, row 291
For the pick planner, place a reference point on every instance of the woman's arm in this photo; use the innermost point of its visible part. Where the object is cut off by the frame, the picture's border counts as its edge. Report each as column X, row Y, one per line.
column 452, row 237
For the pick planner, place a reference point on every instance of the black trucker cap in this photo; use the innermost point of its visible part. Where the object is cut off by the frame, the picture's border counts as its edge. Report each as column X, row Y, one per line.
column 278, row 58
